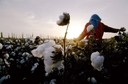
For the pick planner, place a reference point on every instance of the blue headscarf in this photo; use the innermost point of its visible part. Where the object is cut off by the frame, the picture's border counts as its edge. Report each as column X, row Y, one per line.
column 94, row 20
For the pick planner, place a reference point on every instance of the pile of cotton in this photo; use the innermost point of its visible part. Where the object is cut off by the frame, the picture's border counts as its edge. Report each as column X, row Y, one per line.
column 97, row 61
column 51, row 53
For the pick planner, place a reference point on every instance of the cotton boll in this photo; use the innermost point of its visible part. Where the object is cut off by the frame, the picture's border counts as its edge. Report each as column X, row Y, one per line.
column 97, row 61
column 92, row 80
column 69, row 47
column 61, row 17
column 59, row 22
column 34, row 67
column 9, row 46
column 1, row 46
column 22, row 61
column 59, row 48
column 94, row 55
column 38, row 52
column 6, row 56
column 48, row 60
column 13, row 54
column 50, row 43
column 59, row 65
column 53, row 81
column 2, row 79
column 89, row 28
column 26, row 54
column 1, row 61
column 48, row 54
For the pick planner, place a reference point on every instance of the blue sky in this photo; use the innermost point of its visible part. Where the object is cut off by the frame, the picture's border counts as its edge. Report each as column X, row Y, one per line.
column 39, row 16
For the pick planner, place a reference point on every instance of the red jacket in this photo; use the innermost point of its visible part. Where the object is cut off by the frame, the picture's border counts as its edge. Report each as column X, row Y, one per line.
column 98, row 32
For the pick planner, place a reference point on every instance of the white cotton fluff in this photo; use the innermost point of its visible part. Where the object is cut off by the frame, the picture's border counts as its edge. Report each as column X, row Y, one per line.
column 92, row 80
column 26, row 55
column 89, row 28
column 47, row 51
column 53, row 81
column 59, row 47
column 6, row 56
column 2, row 79
column 97, row 61
column 48, row 62
column 38, row 52
column 34, row 67
column 59, row 22
column 1, row 61
column 61, row 17
column 1, row 46
column 68, row 48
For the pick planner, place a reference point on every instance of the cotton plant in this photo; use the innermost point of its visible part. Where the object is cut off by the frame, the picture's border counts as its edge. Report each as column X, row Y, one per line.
column 52, row 54
column 97, row 61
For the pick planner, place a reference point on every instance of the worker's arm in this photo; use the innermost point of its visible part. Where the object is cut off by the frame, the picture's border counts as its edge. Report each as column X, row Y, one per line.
column 88, row 28
column 110, row 29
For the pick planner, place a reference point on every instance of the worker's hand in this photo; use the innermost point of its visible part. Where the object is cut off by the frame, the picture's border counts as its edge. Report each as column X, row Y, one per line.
column 122, row 29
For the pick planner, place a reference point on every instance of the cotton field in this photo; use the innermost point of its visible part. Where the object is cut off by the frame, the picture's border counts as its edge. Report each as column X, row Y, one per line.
column 42, row 61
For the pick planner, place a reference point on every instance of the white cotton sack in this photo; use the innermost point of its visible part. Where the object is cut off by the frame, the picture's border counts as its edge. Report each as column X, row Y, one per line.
column 97, row 61
column 89, row 28
column 38, row 52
